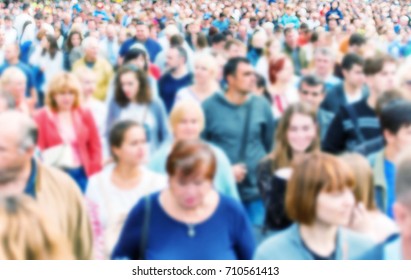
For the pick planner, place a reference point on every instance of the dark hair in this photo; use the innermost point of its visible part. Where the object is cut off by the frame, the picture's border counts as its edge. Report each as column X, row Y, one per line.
column 230, row 68
column 261, row 83
column 312, row 81
column 395, row 115
column 139, row 22
column 118, row 132
column 144, row 92
column 134, row 53
column 288, row 30
column 176, row 40
column 217, row 38
column 53, row 47
column 357, row 39
column 202, row 41
column 38, row 16
column 181, row 52
column 350, row 60
column 375, row 64
column 386, row 98
column 189, row 157
column 69, row 45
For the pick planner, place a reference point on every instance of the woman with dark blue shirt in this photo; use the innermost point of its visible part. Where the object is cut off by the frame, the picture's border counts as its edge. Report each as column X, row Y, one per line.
column 189, row 220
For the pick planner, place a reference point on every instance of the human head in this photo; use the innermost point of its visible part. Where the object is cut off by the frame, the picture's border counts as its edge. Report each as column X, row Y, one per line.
column 323, row 62
column 18, row 139
column 191, row 166
column 88, row 81
column 137, row 57
column 132, row 86
column 352, row 68
column 402, row 207
column 11, row 53
column 176, row 58
column 380, row 72
column 128, row 142
column 218, row 42
column 395, row 120
column 205, row 68
column 403, row 78
column 235, row 48
column 280, row 70
column 291, row 37
column 74, row 39
column 142, row 31
column 320, row 191
column 38, row 239
column 297, row 133
column 239, row 74
column 187, row 120
column 64, row 92
column 356, row 43
column 364, row 180
column 7, row 101
column 312, row 90
column 14, row 82
column 90, row 47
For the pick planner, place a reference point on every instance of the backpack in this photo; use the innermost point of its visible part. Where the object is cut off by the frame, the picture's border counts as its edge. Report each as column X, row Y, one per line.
column 272, row 189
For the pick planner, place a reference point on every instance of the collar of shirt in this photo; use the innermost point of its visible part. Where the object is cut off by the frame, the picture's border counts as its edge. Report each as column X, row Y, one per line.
column 31, row 183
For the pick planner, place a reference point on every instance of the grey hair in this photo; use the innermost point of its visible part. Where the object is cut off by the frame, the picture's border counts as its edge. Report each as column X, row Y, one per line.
column 87, row 42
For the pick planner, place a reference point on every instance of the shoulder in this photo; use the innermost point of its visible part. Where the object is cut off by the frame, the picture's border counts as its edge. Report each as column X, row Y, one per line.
column 232, row 207
column 213, row 100
column 357, row 243
column 276, row 247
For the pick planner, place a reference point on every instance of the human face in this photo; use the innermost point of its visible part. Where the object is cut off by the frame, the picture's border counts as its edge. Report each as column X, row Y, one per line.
column 45, row 43
column 235, row 51
column 189, row 126
column 286, row 74
column 243, row 80
column 313, row 95
column 402, row 214
column 385, row 79
column 172, row 59
column 301, row 133
column 65, row 100
column 291, row 39
column 89, row 84
column 323, row 65
column 335, row 207
column 133, row 150
column 190, row 192
column 92, row 51
column 140, row 62
column 17, row 88
column 355, row 77
column 142, row 33
column 12, row 158
column 401, row 140
column 129, row 85
column 11, row 53
column 202, row 72
column 75, row 40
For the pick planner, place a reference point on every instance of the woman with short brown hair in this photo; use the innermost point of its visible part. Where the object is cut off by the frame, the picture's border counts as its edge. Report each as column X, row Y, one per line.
column 189, row 219
column 319, row 199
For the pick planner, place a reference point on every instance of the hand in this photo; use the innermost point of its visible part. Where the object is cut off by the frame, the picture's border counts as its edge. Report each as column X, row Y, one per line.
column 239, row 171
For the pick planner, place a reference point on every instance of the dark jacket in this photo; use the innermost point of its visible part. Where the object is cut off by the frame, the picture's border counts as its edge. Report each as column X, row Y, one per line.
column 335, row 98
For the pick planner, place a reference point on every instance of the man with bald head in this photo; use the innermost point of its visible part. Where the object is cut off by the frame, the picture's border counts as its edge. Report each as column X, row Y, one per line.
column 55, row 191
column 98, row 64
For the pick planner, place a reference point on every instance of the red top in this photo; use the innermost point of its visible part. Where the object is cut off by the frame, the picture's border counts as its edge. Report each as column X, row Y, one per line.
column 88, row 140
column 155, row 71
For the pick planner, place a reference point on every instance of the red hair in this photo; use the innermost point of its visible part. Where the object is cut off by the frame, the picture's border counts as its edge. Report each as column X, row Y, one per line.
column 275, row 66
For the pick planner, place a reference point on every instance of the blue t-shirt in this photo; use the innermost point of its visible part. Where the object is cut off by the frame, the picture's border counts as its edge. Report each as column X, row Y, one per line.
column 153, row 48
column 29, row 73
column 389, row 168
column 168, row 87
column 221, row 25
column 226, row 235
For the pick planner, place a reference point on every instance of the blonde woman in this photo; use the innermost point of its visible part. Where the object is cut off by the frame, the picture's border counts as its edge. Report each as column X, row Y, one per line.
column 187, row 123
column 26, row 234
column 205, row 80
column 367, row 219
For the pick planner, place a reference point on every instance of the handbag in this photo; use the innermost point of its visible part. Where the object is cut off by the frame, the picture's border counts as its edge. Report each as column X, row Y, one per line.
column 59, row 156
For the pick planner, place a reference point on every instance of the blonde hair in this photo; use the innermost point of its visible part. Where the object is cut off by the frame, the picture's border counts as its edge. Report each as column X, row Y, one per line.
column 181, row 108
column 209, row 61
column 26, row 234
column 364, row 186
column 10, row 74
column 60, row 83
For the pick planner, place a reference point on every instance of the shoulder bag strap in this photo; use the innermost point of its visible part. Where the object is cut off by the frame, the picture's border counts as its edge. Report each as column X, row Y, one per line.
column 354, row 118
column 245, row 130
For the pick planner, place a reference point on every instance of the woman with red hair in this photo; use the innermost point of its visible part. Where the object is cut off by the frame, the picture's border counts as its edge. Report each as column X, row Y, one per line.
column 282, row 85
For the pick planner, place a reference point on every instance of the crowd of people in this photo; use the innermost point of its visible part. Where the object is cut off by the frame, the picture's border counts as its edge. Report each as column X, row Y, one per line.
column 205, row 129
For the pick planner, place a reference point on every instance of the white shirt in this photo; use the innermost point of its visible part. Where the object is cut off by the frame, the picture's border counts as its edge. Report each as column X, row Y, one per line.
column 114, row 204
column 354, row 98
column 20, row 20
column 50, row 66
column 10, row 36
